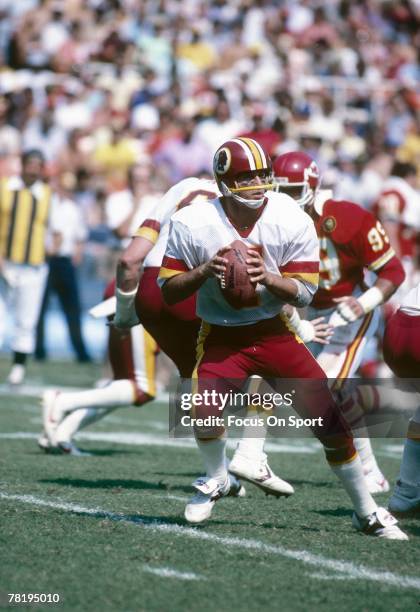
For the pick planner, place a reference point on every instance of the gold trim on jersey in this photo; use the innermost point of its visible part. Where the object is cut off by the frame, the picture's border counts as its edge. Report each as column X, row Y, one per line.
column 23, row 224
column 167, row 273
column 382, row 260
column 307, row 277
column 148, row 233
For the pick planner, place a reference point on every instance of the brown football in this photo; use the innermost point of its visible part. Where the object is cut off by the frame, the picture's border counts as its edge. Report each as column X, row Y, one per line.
column 235, row 284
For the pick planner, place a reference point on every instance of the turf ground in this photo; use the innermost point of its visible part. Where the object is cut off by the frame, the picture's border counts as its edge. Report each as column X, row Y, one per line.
column 106, row 532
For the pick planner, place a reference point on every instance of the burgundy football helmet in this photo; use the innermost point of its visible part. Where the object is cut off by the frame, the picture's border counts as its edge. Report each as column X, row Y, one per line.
column 240, row 156
column 297, row 169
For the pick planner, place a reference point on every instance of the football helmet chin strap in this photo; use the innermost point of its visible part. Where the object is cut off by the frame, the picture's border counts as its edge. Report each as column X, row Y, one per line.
column 233, row 193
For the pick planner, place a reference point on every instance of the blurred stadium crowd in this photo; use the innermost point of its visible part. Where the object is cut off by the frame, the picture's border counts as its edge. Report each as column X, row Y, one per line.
column 109, row 90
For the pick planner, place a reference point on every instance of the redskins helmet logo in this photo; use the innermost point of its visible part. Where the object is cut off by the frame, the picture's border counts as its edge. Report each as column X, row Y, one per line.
column 222, row 161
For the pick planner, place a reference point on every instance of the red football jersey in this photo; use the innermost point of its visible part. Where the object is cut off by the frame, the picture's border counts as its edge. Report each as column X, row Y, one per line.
column 351, row 240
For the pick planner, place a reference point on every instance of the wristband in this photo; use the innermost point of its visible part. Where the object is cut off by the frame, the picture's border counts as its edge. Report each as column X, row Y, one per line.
column 370, row 299
column 304, row 329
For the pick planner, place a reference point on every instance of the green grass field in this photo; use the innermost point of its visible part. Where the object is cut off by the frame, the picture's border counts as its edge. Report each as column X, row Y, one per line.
column 106, row 532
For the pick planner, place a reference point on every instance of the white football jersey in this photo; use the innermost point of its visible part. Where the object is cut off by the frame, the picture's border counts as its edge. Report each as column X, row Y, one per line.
column 156, row 227
column 411, row 303
column 402, row 202
column 284, row 234
column 119, row 205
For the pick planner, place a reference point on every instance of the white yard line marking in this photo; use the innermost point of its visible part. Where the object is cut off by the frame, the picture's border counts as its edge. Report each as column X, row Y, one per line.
column 174, row 497
column 36, row 390
column 347, row 569
column 152, row 439
column 167, row 572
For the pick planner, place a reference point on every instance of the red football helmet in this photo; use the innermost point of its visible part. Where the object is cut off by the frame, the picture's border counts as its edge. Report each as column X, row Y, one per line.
column 237, row 157
column 297, row 169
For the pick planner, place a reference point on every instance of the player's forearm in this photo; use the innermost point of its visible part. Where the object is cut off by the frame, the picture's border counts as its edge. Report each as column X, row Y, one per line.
column 386, row 287
column 128, row 275
column 182, row 286
column 130, row 263
column 288, row 290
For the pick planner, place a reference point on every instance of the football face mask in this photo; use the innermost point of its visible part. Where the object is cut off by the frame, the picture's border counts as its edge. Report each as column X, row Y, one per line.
column 297, row 175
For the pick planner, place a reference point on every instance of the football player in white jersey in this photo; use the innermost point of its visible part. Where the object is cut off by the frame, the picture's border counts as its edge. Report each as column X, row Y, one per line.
column 234, row 343
column 132, row 358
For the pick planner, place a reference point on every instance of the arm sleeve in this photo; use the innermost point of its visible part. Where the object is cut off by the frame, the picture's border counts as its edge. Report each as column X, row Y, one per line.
column 180, row 195
column 301, row 263
column 179, row 255
column 372, row 244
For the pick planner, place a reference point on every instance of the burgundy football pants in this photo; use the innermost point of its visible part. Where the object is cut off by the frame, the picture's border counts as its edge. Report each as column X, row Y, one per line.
column 228, row 356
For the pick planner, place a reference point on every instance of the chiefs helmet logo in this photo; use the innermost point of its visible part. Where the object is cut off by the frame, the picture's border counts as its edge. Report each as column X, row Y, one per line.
column 312, row 171
column 222, row 161
column 329, row 225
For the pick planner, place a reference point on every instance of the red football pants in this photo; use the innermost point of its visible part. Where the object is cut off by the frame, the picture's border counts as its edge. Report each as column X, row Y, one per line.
column 401, row 345
column 228, row 356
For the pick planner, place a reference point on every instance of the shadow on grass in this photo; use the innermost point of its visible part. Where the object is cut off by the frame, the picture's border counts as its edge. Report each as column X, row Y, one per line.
column 346, row 512
column 92, row 453
column 116, row 483
column 312, row 483
column 177, row 473
column 411, row 530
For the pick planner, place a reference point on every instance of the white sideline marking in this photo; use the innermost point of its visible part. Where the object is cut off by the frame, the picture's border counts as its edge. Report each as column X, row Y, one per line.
column 152, row 439
column 167, row 572
column 393, row 448
column 347, row 569
column 321, row 576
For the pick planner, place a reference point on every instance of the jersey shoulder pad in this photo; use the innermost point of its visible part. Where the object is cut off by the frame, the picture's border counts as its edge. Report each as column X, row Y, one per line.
column 342, row 220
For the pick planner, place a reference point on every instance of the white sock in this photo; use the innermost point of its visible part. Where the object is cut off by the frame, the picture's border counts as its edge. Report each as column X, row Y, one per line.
column 251, row 448
column 353, row 481
column 410, row 464
column 117, row 393
column 364, row 448
column 77, row 420
column 214, row 457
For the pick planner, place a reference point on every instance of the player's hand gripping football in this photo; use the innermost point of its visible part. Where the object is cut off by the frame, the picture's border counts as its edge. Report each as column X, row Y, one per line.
column 257, row 271
column 217, row 265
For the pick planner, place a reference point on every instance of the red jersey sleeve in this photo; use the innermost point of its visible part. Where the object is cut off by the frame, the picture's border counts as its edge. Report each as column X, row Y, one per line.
column 372, row 243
